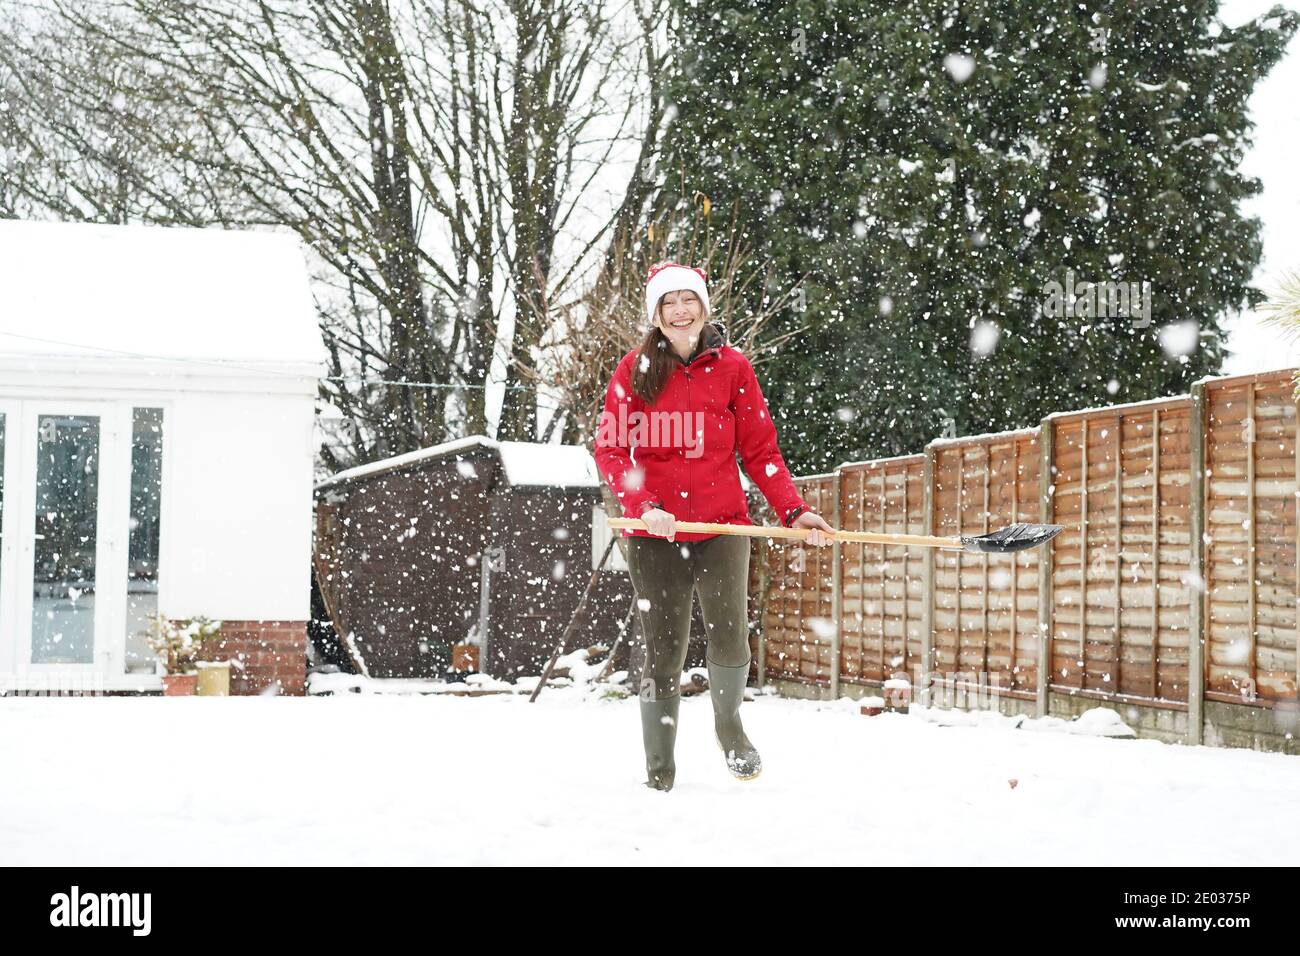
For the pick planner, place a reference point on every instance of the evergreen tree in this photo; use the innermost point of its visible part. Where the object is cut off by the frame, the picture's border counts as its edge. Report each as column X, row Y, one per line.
column 932, row 167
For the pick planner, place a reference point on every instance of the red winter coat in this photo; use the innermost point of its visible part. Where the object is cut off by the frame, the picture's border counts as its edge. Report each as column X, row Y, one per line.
column 691, row 479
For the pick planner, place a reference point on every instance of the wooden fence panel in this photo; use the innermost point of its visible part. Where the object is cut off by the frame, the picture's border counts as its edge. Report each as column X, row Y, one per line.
column 1250, row 527
column 986, row 606
column 799, row 618
column 1120, row 570
column 882, row 587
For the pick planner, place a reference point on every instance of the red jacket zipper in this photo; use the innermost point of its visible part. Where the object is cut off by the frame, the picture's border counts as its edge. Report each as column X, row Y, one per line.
column 690, row 420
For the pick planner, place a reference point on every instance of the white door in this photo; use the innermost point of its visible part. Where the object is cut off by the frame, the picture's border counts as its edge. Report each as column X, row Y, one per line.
column 64, row 520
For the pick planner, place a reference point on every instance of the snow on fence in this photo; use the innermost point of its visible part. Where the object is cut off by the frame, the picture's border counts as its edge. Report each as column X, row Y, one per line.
column 1153, row 552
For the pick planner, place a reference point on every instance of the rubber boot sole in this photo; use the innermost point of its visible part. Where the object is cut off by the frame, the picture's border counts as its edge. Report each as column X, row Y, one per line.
column 738, row 776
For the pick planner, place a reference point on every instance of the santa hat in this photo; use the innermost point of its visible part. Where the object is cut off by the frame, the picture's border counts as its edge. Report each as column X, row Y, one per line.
column 672, row 277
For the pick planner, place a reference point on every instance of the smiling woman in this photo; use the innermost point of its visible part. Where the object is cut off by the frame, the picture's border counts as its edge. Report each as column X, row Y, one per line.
column 685, row 372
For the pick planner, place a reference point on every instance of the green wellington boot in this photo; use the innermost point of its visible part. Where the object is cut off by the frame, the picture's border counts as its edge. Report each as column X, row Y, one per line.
column 727, row 689
column 659, row 733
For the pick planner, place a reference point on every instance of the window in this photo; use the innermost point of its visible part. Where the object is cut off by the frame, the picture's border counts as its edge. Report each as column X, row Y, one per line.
column 143, row 524
column 67, row 525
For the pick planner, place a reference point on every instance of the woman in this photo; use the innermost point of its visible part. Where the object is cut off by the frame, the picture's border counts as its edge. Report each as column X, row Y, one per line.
column 677, row 411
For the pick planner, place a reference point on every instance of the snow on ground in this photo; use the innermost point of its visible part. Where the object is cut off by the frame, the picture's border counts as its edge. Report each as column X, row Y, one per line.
column 370, row 778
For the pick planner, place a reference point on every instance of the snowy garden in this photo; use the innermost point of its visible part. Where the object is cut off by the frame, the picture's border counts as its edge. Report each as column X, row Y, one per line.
column 403, row 778
column 424, row 425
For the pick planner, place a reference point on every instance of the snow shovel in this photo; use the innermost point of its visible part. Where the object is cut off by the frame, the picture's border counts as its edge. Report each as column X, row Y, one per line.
column 1012, row 538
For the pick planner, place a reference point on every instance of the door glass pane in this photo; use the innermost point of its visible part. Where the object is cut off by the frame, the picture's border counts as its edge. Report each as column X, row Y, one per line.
column 67, row 484
column 146, row 509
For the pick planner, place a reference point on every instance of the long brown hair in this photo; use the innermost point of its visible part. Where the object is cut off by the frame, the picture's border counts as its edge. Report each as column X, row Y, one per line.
column 655, row 360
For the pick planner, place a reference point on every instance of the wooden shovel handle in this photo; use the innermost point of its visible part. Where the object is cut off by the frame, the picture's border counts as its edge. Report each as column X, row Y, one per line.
column 800, row 534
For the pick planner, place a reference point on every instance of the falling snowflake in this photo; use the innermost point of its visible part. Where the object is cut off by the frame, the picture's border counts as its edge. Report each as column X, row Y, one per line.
column 959, row 66
column 823, row 627
column 984, row 338
column 1179, row 338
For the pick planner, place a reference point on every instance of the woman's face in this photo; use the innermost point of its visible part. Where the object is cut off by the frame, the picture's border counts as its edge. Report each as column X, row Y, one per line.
column 681, row 318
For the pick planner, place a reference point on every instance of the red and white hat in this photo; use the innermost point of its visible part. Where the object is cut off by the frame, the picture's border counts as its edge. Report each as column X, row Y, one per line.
column 672, row 277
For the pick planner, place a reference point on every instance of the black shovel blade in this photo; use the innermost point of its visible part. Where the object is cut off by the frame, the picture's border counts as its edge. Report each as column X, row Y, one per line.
column 1015, row 537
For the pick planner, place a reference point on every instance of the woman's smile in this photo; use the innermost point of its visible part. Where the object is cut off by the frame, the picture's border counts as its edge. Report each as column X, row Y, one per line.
column 681, row 316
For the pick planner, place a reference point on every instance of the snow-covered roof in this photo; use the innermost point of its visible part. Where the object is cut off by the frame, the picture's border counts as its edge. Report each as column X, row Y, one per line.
column 401, row 461
column 208, row 297
column 565, row 466
column 528, row 464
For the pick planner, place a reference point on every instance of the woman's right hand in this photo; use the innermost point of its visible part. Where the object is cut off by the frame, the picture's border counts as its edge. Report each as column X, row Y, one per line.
column 660, row 523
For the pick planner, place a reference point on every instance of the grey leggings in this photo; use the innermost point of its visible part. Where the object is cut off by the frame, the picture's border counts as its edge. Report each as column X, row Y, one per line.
column 666, row 574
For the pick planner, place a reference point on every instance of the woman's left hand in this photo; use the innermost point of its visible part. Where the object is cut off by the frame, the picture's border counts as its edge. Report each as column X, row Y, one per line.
column 810, row 519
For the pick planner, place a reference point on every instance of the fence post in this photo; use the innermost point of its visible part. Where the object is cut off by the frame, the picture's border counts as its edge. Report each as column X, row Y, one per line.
column 1195, row 620
column 1046, row 508
column 837, row 598
column 927, row 606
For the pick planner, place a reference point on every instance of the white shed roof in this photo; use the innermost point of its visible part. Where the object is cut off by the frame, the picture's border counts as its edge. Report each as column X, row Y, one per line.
column 122, row 292
column 528, row 464
column 531, row 463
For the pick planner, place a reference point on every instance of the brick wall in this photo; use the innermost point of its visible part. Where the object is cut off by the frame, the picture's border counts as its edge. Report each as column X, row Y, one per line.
column 272, row 653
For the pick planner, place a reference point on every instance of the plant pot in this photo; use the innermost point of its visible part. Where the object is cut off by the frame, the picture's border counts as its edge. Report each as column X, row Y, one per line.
column 213, row 679
column 180, row 685
column 898, row 696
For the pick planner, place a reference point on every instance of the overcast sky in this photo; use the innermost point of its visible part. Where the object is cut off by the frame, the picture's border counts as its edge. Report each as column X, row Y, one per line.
column 1275, row 108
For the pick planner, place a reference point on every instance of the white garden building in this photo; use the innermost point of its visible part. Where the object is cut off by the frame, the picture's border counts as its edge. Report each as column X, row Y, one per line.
column 157, row 399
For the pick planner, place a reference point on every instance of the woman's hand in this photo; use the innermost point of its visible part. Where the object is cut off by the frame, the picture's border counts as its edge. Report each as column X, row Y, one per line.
column 810, row 519
column 660, row 523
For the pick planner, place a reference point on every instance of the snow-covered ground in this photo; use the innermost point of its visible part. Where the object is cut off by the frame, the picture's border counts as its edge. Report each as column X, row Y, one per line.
column 363, row 778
